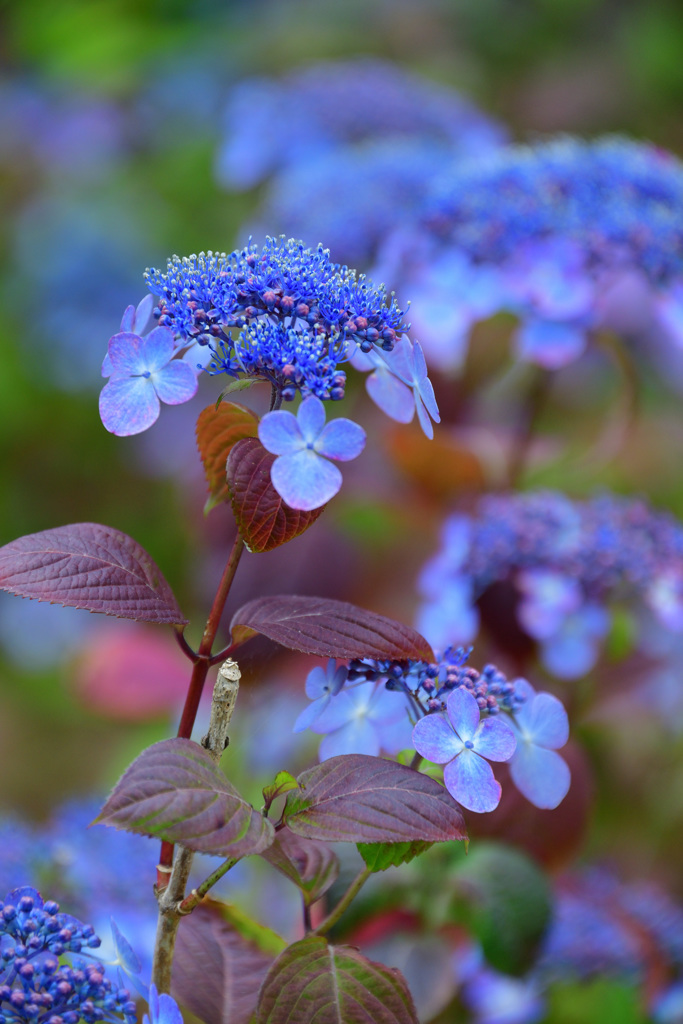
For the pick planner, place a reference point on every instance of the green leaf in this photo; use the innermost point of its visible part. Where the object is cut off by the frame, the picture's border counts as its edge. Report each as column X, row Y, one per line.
column 604, row 1000
column 283, row 782
column 506, row 901
column 380, row 856
column 243, row 384
column 265, row 938
column 311, row 981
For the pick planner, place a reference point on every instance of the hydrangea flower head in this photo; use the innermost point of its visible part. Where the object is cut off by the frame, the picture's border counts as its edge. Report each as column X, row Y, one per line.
column 461, row 742
column 549, row 232
column 302, row 473
column 35, row 985
column 346, row 102
column 566, row 559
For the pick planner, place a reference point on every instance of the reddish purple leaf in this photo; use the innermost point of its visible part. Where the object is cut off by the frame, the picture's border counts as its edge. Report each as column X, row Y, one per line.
column 312, row 866
column 265, row 521
column 311, row 981
column 217, row 972
column 218, row 429
column 175, row 791
column 332, row 629
column 86, row 565
column 356, row 798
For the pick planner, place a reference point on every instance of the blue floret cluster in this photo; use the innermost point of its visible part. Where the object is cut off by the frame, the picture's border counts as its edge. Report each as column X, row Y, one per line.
column 346, row 102
column 569, row 562
column 566, row 234
column 36, row 986
column 452, row 715
column 279, row 313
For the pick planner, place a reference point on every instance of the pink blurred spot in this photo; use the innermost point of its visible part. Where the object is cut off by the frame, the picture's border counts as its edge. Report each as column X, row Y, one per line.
column 132, row 672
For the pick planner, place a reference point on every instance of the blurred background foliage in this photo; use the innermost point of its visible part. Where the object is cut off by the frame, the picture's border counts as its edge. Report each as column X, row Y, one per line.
column 111, row 118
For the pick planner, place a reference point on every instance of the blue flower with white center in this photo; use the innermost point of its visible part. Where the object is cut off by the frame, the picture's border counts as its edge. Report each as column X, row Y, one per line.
column 461, row 742
column 143, row 374
column 322, row 684
column 302, row 474
column 163, row 1009
column 542, row 727
column 364, row 719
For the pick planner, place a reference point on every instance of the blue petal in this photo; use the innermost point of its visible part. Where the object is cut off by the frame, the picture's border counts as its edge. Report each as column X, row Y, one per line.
column 176, row 383
column 129, row 406
column 463, row 712
column 542, row 776
column 356, row 737
column 127, row 956
column 309, row 715
column 341, row 439
column 158, row 349
column 311, row 417
column 107, row 366
column 434, row 738
column 391, row 395
column 169, row 1012
column 338, row 712
column 470, row 780
column 395, row 736
column 126, row 356
column 543, row 720
column 317, row 683
column 280, row 434
column 305, row 480
column 495, row 740
column 142, row 314
column 128, row 320
column 423, row 417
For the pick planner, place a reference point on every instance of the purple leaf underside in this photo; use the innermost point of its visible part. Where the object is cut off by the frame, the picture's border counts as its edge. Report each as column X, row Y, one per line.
column 361, row 799
column 311, row 981
column 312, row 866
column 264, row 519
column 174, row 791
column 332, row 629
column 217, row 973
column 90, row 566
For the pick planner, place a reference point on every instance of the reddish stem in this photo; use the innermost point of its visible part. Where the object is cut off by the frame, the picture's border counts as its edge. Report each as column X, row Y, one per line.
column 200, row 671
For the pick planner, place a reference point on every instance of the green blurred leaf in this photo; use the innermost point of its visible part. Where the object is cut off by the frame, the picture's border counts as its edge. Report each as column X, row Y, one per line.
column 505, row 900
column 380, row 856
column 603, row 1000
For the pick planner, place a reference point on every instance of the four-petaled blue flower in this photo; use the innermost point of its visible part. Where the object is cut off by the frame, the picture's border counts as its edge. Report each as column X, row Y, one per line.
column 364, row 719
column 399, row 384
column 541, row 725
column 322, row 684
column 303, row 443
column 461, row 741
column 163, row 1009
column 143, row 373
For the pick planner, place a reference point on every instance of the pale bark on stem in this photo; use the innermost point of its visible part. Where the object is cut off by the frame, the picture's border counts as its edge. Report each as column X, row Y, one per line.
column 222, row 706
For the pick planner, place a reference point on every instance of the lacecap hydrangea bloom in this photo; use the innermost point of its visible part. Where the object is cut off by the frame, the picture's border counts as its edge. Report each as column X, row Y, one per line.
column 569, row 562
column 561, row 233
column 279, row 313
column 44, row 976
column 449, row 713
column 346, row 102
